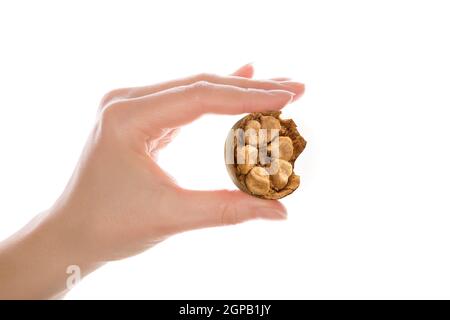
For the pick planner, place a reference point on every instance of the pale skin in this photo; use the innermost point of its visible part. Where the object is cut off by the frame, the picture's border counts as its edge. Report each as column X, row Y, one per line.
column 119, row 202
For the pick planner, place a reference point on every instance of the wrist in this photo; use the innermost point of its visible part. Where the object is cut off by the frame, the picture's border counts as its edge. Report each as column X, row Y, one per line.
column 43, row 260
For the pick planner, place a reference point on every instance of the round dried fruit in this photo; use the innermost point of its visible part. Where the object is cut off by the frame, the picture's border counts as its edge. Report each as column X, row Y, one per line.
column 260, row 152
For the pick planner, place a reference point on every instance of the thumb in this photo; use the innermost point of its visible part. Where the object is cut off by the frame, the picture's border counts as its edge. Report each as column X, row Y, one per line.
column 201, row 209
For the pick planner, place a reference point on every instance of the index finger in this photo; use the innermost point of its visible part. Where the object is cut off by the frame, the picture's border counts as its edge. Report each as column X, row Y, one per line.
column 181, row 105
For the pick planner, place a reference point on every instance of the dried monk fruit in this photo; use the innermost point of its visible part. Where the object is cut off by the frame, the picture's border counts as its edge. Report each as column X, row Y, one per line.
column 260, row 153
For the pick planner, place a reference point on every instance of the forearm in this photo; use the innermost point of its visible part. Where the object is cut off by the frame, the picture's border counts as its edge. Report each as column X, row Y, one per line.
column 34, row 263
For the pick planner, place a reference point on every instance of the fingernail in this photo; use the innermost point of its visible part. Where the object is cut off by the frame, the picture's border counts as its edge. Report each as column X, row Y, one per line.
column 297, row 87
column 271, row 213
column 284, row 93
column 281, row 79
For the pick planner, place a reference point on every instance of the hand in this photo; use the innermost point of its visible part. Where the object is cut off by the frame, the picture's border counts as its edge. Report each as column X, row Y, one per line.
column 119, row 202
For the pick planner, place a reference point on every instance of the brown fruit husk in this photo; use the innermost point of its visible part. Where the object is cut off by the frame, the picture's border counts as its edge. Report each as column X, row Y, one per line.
column 288, row 128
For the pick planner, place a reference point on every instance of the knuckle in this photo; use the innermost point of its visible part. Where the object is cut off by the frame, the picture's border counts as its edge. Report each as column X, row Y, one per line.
column 111, row 96
column 200, row 86
column 205, row 77
column 196, row 91
column 109, row 116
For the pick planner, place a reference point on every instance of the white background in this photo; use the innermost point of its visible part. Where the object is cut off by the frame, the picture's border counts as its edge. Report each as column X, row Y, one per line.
column 371, row 219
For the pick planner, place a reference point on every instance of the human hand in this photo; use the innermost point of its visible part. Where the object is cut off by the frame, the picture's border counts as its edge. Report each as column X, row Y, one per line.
column 119, row 202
